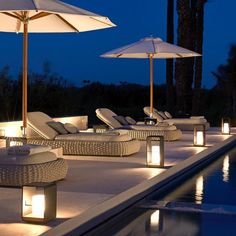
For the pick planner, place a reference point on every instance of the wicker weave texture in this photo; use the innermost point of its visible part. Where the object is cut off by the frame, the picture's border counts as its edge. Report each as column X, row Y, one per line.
column 169, row 135
column 91, row 148
column 18, row 175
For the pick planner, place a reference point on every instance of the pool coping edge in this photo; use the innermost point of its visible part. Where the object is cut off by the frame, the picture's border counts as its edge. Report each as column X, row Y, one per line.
column 93, row 216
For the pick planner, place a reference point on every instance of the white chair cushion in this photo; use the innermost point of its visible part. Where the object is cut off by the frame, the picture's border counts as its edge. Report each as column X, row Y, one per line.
column 186, row 121
column 106, row 116
column 38, row 121
column 37, row 158
column 155, row 114
column 28, row 149
column 197, row 117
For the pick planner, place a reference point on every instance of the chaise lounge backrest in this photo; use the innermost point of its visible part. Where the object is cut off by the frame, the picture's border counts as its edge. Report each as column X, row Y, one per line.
column 107, row 116
column 147, row 112
column 38, row 121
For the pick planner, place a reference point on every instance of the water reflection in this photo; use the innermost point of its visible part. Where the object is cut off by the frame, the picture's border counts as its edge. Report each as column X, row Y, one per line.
column 156, row 222
column 154, row 219
column 163, row 222
column 225, row 169
column 199, row 190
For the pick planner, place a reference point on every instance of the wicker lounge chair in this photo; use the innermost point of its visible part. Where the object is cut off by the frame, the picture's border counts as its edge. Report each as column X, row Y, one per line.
column 87, row 144
column 181, row 123
column 138, row 131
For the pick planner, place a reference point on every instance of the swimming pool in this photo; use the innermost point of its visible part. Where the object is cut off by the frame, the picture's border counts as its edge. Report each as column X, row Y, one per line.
column 205, row 204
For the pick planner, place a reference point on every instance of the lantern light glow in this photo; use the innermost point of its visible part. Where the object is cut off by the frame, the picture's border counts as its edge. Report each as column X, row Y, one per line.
column 225, row 125
column 38, row 205
column 39, row 202
column 199, row 135
column 155, row 151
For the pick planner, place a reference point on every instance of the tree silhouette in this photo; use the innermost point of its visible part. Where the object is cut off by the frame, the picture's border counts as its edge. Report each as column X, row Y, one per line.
column 226, row 82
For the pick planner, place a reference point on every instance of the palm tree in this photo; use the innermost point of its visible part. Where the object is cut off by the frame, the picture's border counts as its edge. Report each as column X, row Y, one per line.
column 226, row 82
column 182, row 66
column 198, row 62
column 169, row 62
column 188, row 72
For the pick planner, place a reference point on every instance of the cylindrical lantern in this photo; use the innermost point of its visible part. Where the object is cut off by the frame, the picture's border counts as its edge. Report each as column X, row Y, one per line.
column 225, row 125
column 199, row 135
column 39, row 201
column 155, row 151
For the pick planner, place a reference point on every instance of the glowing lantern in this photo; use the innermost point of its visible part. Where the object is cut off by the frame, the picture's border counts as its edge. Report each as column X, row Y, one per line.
column 39, row 201
column 199, row 134
column 225, row 125
column 155, row 151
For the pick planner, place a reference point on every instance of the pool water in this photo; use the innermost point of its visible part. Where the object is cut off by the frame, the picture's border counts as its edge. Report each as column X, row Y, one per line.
column 204, row 205
column 216, row 184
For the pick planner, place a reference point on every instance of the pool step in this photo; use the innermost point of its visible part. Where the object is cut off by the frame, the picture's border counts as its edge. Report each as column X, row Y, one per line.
column 191, row 207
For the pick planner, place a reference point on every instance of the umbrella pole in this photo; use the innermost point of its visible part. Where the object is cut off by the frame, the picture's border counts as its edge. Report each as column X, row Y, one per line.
column 24, row 85
column 151, row 84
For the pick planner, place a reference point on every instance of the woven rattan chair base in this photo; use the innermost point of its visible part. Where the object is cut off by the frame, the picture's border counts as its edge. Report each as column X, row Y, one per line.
column 18, row 175
column 169, row 135
column 91, row 148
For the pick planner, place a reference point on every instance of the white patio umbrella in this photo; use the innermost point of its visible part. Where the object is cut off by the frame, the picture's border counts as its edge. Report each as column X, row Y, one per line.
column 23, row 16
column 151, row 48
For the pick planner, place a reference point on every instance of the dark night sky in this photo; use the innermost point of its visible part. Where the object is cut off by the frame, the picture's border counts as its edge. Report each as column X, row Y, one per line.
column 76, row 56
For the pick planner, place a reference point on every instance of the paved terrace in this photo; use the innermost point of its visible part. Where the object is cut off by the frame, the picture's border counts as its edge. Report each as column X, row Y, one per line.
column 92, row 180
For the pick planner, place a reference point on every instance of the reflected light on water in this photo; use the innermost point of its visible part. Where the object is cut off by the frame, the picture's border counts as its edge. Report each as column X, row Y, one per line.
column 225, row 169
column 154, row 219
column 199, row 190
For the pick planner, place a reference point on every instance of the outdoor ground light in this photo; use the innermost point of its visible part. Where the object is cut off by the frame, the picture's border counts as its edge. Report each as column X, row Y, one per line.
column 225, row 125
column 199, row 135
column 39, row 201
column 155, row 151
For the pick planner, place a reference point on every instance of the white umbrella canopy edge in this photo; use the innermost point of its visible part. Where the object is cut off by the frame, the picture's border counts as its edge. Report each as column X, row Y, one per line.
column 33, row 16
column 54, row 23
column 48, row 10
column 151, row 48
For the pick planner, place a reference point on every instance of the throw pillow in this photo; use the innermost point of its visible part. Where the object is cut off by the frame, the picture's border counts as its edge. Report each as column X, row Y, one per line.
column 130, row 120
column 72, row 129
column 58, row 126
column 162, row 114
column 121, row 120
column 168, row 115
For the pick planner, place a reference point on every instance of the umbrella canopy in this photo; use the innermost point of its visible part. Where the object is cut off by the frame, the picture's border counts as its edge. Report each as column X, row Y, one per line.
column 53, row 16
column 150, row 48
column 48, row 16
